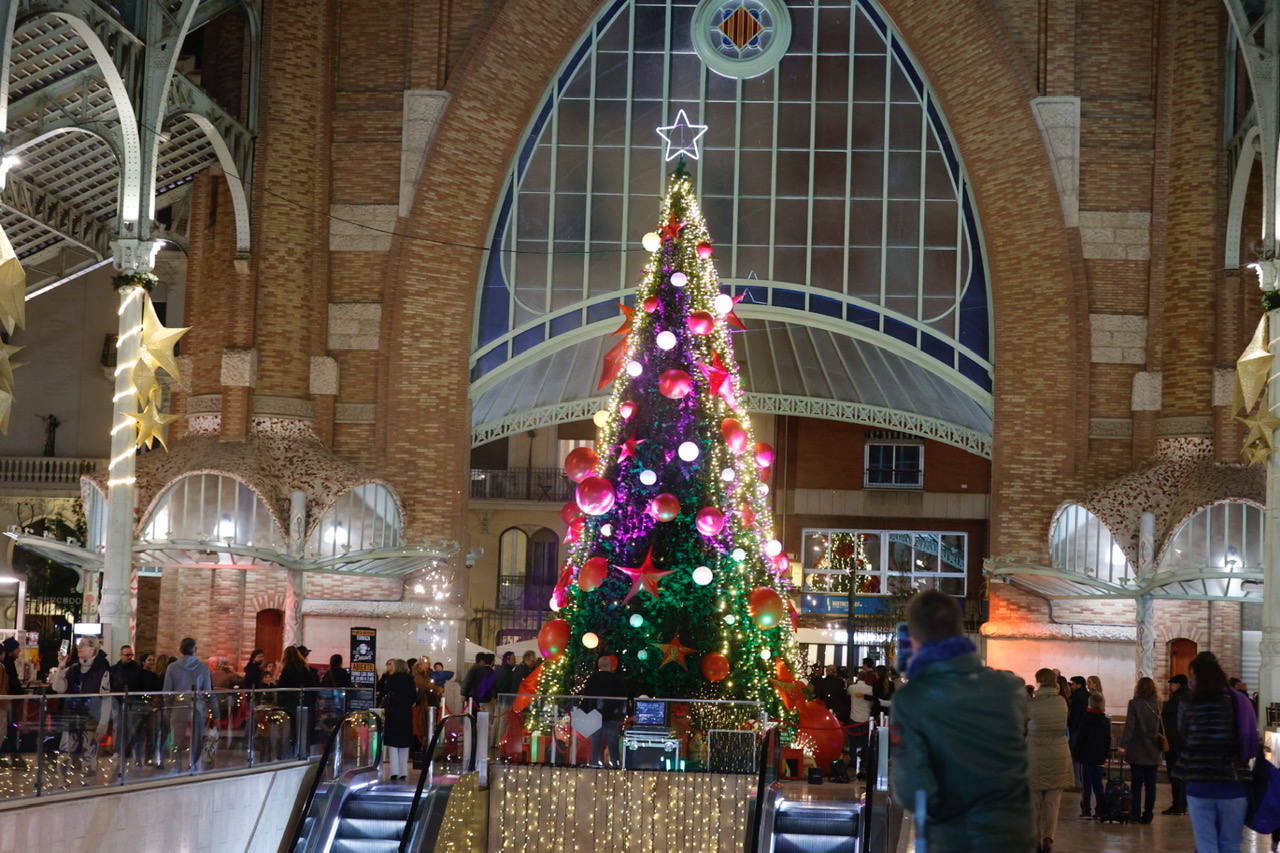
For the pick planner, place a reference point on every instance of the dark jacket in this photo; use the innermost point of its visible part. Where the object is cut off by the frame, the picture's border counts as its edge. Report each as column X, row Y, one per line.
column 398, row 703
column 1169, row 715
column 252, row 675
column 15, row 687
column 149, row 682
column 126, row 676
column 469, row 681
column 607, row 684
column 958, row 734
column 1091, row 739
column 1211, row 742
column 87, row 682
column 506, row 681
column 298, row 677
column 336, row 677
column 1140, row 738
column 1077, row 707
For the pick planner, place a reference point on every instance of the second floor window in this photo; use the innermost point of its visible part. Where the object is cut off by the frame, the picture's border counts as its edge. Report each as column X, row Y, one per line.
column 894, row 465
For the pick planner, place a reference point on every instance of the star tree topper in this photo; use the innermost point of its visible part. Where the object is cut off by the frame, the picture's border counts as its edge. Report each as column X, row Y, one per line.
column 681, row 137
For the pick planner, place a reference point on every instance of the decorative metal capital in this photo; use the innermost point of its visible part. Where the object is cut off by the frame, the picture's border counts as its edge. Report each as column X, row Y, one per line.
column 1267, row 269
column 134, row 256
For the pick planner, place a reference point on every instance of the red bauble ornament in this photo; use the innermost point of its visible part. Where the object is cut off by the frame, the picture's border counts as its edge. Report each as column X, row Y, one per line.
column 675, row 384
column 574, row 531
column 764, row 454
column 781, row 564
column 664, row 507
column 709, row 521
column 580, row 463
column 553, row 639
column 766, row 607
column 715, row 667
column 701, row 322
column 817, row 721
column 569, row 512
column 595, row 495
column 734, row 435
column 593, row 573
column 704, row 250
column 650, row 304
column 627, row 409
column 748, row 516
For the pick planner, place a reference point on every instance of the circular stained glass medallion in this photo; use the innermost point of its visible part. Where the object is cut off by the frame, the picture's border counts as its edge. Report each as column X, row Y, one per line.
column 741, row 38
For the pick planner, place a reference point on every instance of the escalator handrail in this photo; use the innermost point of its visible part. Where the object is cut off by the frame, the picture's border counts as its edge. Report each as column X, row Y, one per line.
column 329, row 746
column 428, row 756
column 768, row 747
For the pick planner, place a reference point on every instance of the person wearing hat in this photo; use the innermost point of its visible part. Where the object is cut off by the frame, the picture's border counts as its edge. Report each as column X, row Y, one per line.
column 1169, row 720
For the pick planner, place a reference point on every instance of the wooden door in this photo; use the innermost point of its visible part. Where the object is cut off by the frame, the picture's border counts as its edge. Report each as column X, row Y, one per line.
column 268, row 633
column 1181, row 652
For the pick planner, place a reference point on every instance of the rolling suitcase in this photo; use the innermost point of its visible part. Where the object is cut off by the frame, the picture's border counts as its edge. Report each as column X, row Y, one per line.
column 1117, row 796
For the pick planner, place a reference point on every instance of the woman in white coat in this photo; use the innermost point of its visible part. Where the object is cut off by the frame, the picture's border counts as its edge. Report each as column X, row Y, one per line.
column 1048, row 755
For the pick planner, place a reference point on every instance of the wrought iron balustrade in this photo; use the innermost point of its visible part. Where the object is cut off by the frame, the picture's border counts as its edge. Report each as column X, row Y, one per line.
column 521, row 484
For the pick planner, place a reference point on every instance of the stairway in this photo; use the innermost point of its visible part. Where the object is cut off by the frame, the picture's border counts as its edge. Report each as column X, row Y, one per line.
column 372, row 820
column 816, row 827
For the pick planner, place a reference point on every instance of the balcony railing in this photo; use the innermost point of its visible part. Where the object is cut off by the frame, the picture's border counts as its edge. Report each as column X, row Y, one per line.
column 46, row 470
column 492, row 628
column 518, row 592
column 521, row 484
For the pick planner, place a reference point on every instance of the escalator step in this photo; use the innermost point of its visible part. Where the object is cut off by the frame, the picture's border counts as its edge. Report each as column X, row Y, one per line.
column 377, row 809
column 810, row 826
column 357, row 827
column 794, row 843
column 364, row 845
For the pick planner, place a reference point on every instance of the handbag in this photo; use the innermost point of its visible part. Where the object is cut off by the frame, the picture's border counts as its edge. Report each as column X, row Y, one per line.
column 1162, row 738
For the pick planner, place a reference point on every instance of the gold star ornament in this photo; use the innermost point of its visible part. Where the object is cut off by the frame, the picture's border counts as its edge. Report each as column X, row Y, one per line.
column 157, row 342
column 1257, row 453
column 13, row 288
column 675, row 652
column 1262, row 427
column 1252, row 367
column 152, row 423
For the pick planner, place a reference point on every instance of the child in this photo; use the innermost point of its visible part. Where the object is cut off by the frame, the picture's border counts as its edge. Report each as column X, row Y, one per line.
column 1090, row 746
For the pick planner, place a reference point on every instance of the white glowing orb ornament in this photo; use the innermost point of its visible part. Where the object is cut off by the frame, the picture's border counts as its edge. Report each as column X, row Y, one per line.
column 634, row 368
column 679, row 279
column 554, row 605
column 606, row 530
column 703, row 576
column 765, row 654
column 648, row 477
column 600, row 418
column 723, row 303
column 636, row 620
column 773, row 547
column 739, row 554
column 727, row 475
column 590, row 640
column 651, row 241
column 688, row 451
column 665, row 340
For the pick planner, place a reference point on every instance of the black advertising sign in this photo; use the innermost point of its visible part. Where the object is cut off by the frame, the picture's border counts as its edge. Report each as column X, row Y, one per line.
column 364, row 668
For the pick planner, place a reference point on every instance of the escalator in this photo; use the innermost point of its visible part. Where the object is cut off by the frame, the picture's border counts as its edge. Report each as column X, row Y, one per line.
column 817, row 827
column 372, row 820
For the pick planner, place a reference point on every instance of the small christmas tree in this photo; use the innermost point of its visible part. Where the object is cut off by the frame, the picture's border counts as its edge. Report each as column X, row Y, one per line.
column 847, row 554
column 674, row 567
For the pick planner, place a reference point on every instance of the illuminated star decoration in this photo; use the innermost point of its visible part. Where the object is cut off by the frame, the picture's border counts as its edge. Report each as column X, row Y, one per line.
column 628, row 316
column 675, row 652
column 681, row 137
column 671, row 231
column 645, row 576
column 1262, row 427
column 612, row 364
column 627, row 450
column 720, row 380
column 157, row 342
column 732, row 317
column 152, row 423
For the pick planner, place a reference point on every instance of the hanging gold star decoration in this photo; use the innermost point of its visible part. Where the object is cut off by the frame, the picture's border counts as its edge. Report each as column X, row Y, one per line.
column 1257, row 453
column 7, row 365
column 152, row 423
column 674, row 652
column 6, row 409
column 13, row 288
column 157, row 342
column 144, row 381
column 1252, row 367
column 1262, row 427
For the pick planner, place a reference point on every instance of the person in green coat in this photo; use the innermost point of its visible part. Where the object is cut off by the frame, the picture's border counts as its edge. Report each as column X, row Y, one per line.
column 958, row 733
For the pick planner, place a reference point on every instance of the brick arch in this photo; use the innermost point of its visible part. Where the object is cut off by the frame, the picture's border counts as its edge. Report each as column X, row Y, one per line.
column 1168, row 631
column 1036, row 268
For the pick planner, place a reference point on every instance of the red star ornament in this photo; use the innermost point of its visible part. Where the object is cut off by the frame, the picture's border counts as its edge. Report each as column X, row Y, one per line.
column 628, row 448
column 612, row 364
column 671, row 231
column 720, row 380
column 748, row 516
column 644, row 576
column 675, row 652
column 790, row 692
column 628, row 316
column 732, row 317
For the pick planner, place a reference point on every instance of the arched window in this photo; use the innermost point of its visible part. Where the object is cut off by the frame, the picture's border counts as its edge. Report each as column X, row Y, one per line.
column 1079, row 542
column 540, row 580
column 365, row 518
column 1226, row 536
column 212, row 508
column 513, row 559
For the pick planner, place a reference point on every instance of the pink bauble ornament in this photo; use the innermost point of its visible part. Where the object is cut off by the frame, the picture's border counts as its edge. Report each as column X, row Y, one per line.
column 595, row 495
column 580, row 463
column 709, row 520
column 569, row 512
column 593, row 573
column 675, row 384
column 650, row 304
column 701, row 322
column 764, row 454
column 781, row 564
column 704, row 250
column 766, row 607
column 734, row 435
column 627, row 409
column 664, row 507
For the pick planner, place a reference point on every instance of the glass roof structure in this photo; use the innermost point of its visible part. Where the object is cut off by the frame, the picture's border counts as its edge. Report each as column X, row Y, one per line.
column 837, row 198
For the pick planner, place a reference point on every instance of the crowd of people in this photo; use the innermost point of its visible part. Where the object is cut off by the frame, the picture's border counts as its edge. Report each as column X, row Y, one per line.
column 991, row 757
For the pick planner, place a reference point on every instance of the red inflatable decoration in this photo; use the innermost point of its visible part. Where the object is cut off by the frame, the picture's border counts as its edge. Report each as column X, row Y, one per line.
column 765, row 606
column 595, row 495
column 664, row 507
column 527, row 688
column 553, row 638
column 817, row 721
column 715, row 667
column 764, row 454
column 675, row 384
column 580, row 463
column 701, row 322
column 570, row 512
column 709, row 521
column 574, row 532
column 593, row 573
column 734, row 435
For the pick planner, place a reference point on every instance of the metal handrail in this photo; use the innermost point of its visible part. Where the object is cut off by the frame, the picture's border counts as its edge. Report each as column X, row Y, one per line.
column 329, row 747
column 427, row 758
column 770, row 746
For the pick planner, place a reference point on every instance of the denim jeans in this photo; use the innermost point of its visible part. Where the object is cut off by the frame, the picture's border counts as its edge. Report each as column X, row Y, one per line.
column 1218, row 824
column 1090, row 784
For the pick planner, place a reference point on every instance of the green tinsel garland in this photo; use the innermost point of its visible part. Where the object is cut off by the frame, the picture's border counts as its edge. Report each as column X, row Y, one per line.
column 1270, row 300
column 145, row 280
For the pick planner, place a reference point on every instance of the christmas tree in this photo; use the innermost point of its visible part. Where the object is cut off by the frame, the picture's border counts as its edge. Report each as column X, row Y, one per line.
column 673, row 566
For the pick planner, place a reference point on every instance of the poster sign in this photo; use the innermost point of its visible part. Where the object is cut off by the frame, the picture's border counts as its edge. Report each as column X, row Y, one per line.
column 364, row 667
